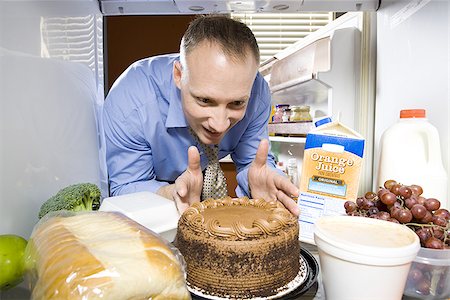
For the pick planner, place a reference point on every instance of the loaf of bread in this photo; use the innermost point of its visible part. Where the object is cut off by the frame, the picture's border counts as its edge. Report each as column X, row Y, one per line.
column 102, row 255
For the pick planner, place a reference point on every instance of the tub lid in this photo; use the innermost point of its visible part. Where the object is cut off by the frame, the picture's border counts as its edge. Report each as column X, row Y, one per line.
column 367, row 237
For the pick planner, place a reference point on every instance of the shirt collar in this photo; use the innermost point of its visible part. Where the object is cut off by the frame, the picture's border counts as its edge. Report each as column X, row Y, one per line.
column 175, row 113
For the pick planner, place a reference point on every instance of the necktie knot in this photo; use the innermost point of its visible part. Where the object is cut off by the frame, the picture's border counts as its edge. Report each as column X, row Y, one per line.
column 212, row 152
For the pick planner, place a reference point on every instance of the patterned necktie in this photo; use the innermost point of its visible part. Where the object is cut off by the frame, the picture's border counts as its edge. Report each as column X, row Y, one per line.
column 214, row 181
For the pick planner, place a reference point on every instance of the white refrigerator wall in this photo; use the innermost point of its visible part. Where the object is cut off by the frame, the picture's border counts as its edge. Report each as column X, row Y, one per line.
column 51, row 89
column 413, row 66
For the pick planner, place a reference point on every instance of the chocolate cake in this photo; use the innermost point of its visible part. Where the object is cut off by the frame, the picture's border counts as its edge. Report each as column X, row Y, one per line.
column 239, row 248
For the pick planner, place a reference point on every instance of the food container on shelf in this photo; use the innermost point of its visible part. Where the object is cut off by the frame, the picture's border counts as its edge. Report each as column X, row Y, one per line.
column 364, row 258
column 429, row 276
column 279, row 111
column 300, row 113
column 286, row 115
column 150, row 210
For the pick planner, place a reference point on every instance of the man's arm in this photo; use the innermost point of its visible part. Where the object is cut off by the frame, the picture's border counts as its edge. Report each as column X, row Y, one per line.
column 129, row 155
column 187, row 188
column 129, row 160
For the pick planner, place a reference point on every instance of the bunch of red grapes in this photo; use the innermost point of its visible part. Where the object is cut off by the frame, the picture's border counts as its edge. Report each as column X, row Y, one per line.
column 404, row 204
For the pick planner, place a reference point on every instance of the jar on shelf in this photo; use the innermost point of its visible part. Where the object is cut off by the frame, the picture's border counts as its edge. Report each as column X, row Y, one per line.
column 279, row 110
column 300, row 113
column 292, row 170
column 286, row 115
column 272, row 112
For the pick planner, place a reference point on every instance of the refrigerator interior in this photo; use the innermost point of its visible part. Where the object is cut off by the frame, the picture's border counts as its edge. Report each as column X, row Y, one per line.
column 51, row 92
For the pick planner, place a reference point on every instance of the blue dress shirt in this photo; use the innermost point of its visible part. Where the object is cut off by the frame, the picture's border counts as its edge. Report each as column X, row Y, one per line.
column 146, row 132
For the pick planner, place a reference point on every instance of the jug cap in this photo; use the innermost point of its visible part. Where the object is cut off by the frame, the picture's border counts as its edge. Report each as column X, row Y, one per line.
column 322, row 121
column 412, row 113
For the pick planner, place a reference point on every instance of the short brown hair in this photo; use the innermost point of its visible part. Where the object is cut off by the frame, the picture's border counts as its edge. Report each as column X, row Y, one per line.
column 234, row 37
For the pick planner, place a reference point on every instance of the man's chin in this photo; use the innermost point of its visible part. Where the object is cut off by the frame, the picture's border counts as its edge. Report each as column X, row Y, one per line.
column 212, row 139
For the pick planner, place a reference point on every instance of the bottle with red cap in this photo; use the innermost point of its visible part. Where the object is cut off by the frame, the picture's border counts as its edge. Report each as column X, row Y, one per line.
column 410, row 153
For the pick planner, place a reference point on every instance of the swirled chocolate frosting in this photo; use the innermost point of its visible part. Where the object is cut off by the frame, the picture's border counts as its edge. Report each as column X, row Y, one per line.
column 238, row 218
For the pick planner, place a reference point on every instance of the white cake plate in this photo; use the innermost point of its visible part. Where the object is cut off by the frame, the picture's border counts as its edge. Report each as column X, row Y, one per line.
column 288, row 288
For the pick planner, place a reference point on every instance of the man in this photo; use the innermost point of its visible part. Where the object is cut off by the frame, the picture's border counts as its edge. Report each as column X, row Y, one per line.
column 165, row 107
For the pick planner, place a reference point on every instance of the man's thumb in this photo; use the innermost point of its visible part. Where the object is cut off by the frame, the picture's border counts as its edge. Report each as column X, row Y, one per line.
column 193, row 159
column 261, row 153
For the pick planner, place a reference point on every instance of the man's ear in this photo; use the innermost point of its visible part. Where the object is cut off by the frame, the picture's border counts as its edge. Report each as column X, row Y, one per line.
column 177, row 73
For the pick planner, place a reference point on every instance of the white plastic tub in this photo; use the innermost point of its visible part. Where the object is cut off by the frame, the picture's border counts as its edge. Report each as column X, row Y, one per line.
column 150, row 210
column 363, row 258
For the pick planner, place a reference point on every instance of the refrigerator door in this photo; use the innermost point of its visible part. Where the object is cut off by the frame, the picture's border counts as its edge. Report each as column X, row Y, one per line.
column 51, row 88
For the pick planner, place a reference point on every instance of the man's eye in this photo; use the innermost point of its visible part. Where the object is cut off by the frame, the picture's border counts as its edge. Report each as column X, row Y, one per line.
column 239, row 103
column 203, row 100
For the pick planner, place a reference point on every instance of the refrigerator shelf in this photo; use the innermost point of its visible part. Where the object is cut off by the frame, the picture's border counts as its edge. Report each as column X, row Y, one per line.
column 284, row 139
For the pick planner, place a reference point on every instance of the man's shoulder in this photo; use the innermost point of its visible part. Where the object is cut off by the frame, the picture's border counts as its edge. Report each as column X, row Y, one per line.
column 261, row 81
column 162, row 58
column 144, row 83
column 260, row 90
column 158, row 62
column 147, row 75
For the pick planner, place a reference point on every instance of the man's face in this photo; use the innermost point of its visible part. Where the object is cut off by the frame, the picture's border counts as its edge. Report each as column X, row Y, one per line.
column 215, row 90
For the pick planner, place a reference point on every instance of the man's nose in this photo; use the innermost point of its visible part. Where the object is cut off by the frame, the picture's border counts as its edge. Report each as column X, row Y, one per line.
column 219, row 121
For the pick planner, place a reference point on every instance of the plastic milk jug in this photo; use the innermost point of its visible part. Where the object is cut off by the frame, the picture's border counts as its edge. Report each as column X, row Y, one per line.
column 411, row 154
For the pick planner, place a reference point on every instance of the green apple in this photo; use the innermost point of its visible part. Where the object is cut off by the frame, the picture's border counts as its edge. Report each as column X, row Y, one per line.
column 12, row 248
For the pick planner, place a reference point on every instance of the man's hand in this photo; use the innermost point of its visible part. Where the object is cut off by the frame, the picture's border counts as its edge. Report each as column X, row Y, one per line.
column 266, row 183
column 187, row 188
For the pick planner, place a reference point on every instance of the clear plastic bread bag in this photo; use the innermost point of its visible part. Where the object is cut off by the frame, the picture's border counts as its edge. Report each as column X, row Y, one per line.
column 101, row 255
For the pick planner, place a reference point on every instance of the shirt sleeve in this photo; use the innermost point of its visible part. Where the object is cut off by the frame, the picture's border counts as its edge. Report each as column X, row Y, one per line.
column 256, row 131
column 128, row 154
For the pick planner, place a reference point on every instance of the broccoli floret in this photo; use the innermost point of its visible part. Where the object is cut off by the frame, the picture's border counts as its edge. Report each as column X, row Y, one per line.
column 77, row 197
column 95, row 195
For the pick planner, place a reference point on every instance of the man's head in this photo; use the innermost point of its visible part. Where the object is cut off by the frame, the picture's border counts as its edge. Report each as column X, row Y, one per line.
column 219, row 59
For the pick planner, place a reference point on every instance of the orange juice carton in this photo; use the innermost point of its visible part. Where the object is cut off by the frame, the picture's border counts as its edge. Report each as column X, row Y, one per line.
column 330, row 173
